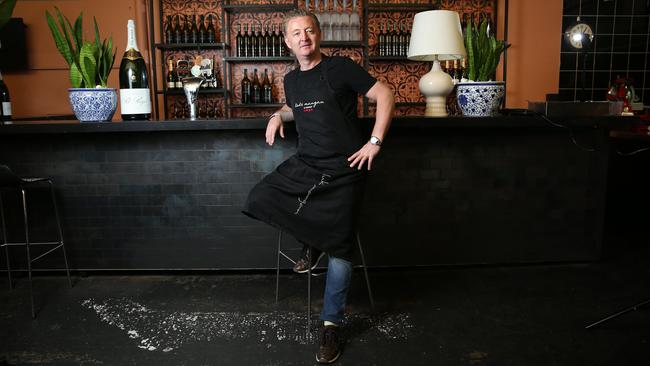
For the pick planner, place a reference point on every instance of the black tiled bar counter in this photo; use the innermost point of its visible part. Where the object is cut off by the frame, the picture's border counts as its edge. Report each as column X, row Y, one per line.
column 168, row 194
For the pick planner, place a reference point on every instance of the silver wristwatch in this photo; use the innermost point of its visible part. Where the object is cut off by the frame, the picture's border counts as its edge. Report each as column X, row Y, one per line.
column 375, row 140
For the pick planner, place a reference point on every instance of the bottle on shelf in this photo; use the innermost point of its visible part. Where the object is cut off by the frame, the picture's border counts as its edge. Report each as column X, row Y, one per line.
column 135, row 99
column 255, row 41
column 394, row 42
column 203, row 31
column 171, row 76
column 266, row 41
column 169, row 31
column 246, row 48
column 187, row 30
column 216, row 77
column 178, row 30
column 5, row 101
column 381, row 40
column 325, row 25
column 245, row 88
column 194, row 31
column 267, row 89
column 273, row 47
column 344, row 18
column 256, row 89
column 408, row 39
column 335, row 22
column 403, row 45
column 239, row 43
column 212, row 35
column 282, row 51
column 355, row 23
column 388, row 44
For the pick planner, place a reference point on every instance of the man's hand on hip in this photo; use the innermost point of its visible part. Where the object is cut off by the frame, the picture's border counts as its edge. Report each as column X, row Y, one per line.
column 366, row 153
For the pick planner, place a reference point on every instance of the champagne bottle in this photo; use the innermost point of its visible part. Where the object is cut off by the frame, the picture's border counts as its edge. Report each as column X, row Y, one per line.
column 267, row 88
column 178, row 30
column 203, row 31
column 256, row 89
column 5, row 102
column 135, row 99
column 171, row 77
column 239, row 42
column 211, row 31
column 169, row 35
column 245, row 88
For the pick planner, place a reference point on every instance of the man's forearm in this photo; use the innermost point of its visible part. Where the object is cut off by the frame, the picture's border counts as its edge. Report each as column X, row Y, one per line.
column 383, row 113
column 286, row 114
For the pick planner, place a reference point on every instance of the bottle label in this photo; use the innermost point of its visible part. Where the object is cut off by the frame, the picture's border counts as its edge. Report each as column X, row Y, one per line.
column 171, row 84
column 135, row 101
column 6, row 108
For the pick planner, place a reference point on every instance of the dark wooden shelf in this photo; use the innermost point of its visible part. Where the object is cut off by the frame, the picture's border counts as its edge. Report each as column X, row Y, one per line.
column 257, row 59
column 256, row 105
column 185, row 46
column 379, row 7
column 201, row 91
column 391, row 58
column 324, row 44
column 258, row 8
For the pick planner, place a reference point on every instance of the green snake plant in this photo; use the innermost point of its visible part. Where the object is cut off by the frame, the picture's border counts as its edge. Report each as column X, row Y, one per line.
column 483, row 52
column 90, row 62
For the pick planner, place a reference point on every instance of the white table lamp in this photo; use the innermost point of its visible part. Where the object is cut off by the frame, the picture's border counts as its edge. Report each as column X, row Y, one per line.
column 436, row 35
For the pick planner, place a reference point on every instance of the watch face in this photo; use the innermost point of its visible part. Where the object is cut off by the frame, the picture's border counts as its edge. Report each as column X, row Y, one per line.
column 375, row 141
column 575, row 35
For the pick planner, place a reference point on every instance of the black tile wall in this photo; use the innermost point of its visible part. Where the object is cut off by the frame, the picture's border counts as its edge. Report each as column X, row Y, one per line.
column 173, row 199
column 620, row 49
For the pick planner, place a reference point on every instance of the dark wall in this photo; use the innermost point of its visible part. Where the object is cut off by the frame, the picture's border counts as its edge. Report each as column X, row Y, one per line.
column 620, row 48
column 436, row 196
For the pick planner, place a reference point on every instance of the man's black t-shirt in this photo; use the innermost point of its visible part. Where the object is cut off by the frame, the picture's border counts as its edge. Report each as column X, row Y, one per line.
column 345, row 77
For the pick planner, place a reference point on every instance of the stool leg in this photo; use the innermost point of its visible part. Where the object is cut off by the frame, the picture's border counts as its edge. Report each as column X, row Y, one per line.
column 365, row 272
column 277, row 268
column 58, row 225
column 29, row 256
column 4, row 242
column 309, row 291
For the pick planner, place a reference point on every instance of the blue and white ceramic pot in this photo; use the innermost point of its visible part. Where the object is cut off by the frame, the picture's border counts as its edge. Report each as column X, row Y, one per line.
column 93, row 104
column 480, row 99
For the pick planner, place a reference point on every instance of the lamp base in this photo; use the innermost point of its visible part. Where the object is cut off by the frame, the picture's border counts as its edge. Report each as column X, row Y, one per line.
column 435, row 86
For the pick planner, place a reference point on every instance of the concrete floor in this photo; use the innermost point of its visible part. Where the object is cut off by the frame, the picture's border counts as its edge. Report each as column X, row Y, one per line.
column 499, row 315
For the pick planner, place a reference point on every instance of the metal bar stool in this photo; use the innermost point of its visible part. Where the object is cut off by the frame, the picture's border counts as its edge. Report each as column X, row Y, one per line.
column 310, row 274
column 10, row 180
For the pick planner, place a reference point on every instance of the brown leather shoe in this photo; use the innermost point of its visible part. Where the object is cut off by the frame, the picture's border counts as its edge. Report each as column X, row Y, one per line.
column 329, row 349
column 302, row 263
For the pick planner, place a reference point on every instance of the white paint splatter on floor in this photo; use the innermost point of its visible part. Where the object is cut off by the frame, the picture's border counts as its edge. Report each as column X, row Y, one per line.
column 167, row 331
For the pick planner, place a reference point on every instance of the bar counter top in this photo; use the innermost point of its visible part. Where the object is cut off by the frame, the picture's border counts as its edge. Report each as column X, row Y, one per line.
column 411, row 122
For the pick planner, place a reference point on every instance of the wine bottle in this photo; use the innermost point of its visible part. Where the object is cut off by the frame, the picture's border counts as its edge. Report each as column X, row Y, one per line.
column 171, row 77
column 187, row 30
column 245, row 88
column 194, row 31
column 169, row 34
column 281, row 50
column 239, row 43
column 266, row 39
column 203, row 31
column 388, row 44
column 256, row 89
column 135, row 99
column 267, row 88
column 395, row 40
column 246, row 48
column 255, row 42
column 403, row 46
column 381, row 40
column 178, row 30
column 273, row 46
column 344, row 18
column 325, row 22
column 5, row 101
column 212, row 32
column 335, row 21
column 355, row 23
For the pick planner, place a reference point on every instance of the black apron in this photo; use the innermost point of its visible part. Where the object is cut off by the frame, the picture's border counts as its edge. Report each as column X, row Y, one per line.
column 315, row 195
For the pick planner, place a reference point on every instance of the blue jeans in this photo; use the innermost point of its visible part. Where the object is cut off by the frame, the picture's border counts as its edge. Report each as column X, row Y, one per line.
column 339, row 273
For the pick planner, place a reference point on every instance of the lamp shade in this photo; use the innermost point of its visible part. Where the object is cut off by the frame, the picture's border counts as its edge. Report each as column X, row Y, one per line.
column 436, row 34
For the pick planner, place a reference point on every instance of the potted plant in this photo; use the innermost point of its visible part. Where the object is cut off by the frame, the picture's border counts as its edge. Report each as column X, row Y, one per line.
column 90, row 64
column 480, row 96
